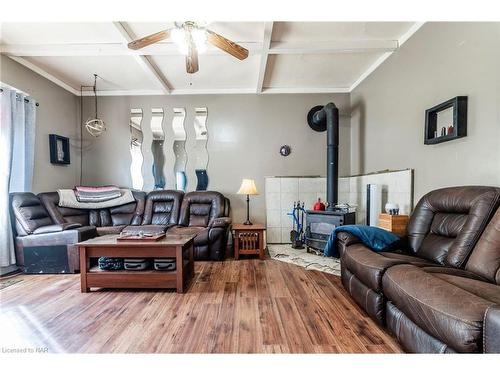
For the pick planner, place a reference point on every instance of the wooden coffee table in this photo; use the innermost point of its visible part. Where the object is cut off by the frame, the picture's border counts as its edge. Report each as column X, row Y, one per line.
column 179, row 247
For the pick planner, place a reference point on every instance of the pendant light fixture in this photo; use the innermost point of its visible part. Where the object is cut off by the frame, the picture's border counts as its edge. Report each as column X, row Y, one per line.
column 95, row 126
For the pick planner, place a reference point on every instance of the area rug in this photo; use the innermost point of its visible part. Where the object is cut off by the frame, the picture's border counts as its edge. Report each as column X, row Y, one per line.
column 285, row 253
column 6, row 283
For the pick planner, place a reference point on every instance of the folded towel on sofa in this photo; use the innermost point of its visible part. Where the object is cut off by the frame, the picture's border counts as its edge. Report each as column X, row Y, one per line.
column 375, row 238
column 67, row 198
column 96, row 193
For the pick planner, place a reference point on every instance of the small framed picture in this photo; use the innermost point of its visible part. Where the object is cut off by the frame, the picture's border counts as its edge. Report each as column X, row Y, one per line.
column 59, row 149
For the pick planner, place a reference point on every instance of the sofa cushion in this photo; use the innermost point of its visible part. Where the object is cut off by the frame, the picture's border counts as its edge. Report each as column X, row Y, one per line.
column 162, row 207
column 406, row 258
column 29, row 213
column 62, row 215
column 447, row 223
column 201, row 208
column 485, row 258
column 452, row 271
column 488, row 291
column 369, row 266
column 442, row 309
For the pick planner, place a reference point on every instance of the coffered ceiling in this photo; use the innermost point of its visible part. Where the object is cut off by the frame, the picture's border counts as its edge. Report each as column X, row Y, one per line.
column 284, row 57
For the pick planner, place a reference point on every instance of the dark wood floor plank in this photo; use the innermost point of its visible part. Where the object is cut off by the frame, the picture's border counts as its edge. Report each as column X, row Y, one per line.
column 245, row 306
column 247, row 324
column 225, row 337
column 270, row 323
column 298, row 339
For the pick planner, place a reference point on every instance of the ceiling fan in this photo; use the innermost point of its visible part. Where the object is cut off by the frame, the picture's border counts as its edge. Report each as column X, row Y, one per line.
column 192, row 38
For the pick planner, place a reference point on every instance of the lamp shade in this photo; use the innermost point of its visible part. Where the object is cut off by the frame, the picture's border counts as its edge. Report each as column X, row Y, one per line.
column 248, row 187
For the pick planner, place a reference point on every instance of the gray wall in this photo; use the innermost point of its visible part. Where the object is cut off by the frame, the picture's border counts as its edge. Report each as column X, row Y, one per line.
column 441, row 61
column 57, row 113
column 245, row 133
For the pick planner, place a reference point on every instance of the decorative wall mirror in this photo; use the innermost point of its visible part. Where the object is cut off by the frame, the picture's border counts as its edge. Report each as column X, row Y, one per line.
column 180, row 148
column 136, row 138
column 201, row 152
column 157, row 143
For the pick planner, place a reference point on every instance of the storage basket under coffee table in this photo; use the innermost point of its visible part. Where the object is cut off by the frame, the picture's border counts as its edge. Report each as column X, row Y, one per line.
column 179, row 247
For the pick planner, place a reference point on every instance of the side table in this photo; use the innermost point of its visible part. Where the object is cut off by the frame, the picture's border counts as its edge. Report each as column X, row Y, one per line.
column 394, row 223
column 249, row 240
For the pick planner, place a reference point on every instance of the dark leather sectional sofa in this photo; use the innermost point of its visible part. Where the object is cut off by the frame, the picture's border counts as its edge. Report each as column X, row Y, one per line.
column 439, row 292
column 40, row 223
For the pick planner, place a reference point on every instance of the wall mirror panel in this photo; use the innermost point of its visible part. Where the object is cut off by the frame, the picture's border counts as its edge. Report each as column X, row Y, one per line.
column 179, row 148
column 157, row 142
column 201, row 152
column 136, row 139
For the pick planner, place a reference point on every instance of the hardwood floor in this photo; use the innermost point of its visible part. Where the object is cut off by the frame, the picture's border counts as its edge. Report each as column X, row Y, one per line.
column 245, row 306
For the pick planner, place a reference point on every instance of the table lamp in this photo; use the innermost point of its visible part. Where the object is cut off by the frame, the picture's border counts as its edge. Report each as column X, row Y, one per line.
column 248, row 187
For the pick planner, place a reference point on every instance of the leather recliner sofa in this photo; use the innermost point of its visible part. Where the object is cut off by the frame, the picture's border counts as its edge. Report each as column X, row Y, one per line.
column 39, row 223
column 439, row 291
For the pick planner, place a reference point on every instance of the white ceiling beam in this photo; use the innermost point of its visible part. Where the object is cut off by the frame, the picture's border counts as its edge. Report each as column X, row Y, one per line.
column 147, row 65
column 107, row 49
column 266, row 44
column 265, row 90
column 166, row 49
column 45, row 74
column 412, row 30
column 305, row 90
column 340, row 46
column 172, row 92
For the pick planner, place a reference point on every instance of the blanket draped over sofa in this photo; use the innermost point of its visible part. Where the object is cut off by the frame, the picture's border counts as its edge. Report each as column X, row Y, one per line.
column 67, row 198
column 376, row 239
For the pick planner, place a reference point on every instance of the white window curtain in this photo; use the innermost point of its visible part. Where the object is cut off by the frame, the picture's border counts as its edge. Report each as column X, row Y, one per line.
column 17, row 156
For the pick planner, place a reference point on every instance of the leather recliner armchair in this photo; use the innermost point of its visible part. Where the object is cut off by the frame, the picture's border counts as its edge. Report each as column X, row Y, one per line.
column 439, row 292
column 203, row 214
column 161, row 212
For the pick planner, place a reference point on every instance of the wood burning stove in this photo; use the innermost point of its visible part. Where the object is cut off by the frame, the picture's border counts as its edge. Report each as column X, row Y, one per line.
column 319, row 224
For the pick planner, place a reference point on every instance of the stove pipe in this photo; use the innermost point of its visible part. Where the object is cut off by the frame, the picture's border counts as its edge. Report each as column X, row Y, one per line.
column 329, row 114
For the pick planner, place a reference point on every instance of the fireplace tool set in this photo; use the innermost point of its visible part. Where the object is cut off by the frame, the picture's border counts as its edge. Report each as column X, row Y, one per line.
column 297, row 235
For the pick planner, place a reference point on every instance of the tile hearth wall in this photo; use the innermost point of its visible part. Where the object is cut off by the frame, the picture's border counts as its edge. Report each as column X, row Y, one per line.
column 282, row 192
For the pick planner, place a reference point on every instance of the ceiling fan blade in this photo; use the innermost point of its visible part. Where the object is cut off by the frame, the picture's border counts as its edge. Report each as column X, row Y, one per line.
column 150, row 39
column 226, row 45
column 192, row 56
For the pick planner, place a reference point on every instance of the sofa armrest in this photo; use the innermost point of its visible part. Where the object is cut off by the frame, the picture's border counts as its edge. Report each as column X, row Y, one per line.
column 345, row 239
column 56, row 228
column 221, row 222
column 491, row 334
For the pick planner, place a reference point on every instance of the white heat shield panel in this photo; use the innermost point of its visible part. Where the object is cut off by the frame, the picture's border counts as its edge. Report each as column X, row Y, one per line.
column 373, row 204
